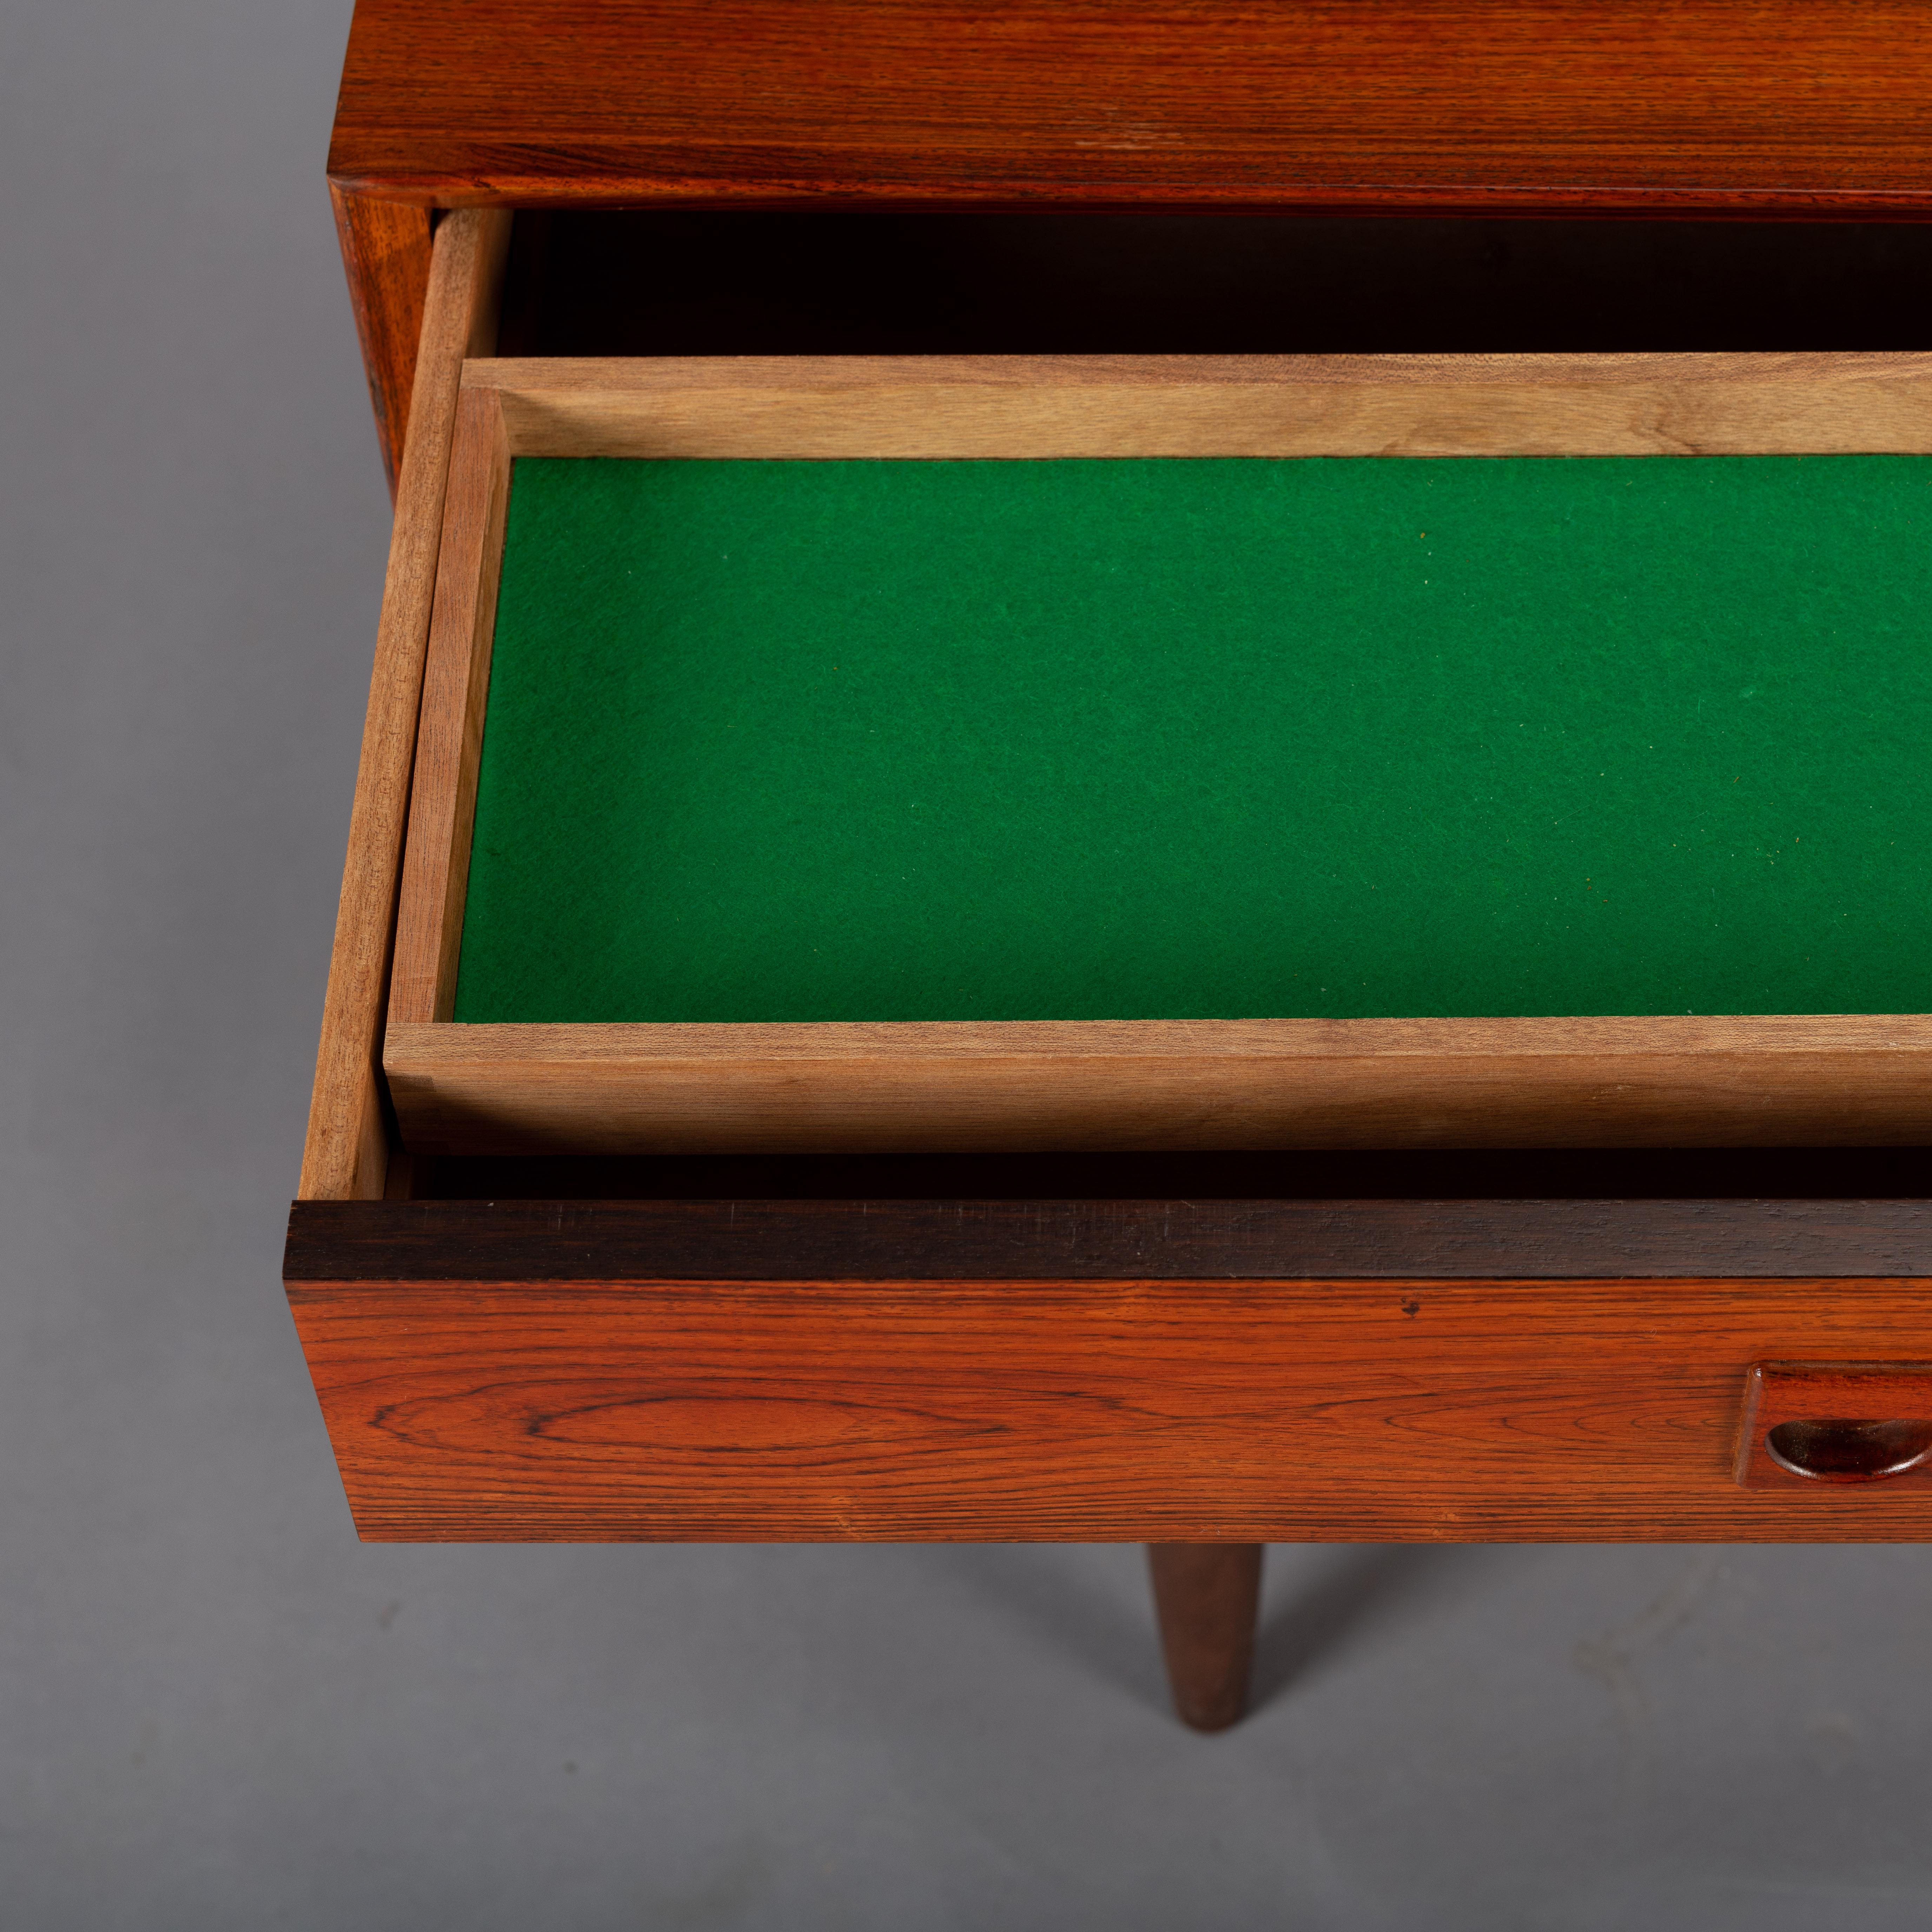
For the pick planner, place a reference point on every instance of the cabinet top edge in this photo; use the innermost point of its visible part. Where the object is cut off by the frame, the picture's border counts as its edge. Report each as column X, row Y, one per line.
column 1809, row 109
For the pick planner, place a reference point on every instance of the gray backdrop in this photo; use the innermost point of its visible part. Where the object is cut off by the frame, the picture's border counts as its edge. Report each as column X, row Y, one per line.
column 217, row 1709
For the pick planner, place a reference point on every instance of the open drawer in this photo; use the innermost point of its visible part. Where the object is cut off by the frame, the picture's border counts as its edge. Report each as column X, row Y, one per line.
column 1174, row 1366
column 1080, row 752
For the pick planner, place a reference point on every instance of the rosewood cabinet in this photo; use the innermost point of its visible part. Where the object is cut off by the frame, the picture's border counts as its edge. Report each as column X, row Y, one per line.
column 1676, row 1287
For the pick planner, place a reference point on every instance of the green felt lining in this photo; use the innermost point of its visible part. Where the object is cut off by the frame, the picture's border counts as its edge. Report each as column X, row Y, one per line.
column 1174, row 739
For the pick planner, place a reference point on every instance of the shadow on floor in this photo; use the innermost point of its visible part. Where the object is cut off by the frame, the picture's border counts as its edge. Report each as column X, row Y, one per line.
column 1074, row 1605
column 1334, row 1600
column 1362, row 1592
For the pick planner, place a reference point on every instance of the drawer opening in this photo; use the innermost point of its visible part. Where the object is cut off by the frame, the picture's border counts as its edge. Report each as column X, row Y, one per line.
column 609, row 283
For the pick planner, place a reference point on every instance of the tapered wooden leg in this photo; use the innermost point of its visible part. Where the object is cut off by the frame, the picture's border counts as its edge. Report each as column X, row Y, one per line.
column 1205, row 1595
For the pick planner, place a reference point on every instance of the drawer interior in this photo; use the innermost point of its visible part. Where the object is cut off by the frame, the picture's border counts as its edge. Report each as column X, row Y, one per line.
column 501, row 1356
column 1181, row 739
column 585, row 285
column 1062, row 752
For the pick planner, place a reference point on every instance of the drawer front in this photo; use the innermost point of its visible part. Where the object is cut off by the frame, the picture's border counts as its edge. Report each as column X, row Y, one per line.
column 1261, row 1410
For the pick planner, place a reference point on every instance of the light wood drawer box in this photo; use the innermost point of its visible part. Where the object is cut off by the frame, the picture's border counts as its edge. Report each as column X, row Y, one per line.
column 1795, row 1078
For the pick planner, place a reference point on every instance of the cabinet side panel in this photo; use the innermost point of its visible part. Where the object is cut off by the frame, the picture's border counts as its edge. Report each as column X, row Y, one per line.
column 386, row 251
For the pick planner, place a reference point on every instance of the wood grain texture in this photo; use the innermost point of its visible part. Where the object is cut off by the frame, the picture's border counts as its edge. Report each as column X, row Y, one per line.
column 1205, row 1596
column 449, row 736
column 345, row 1148
column 1251, row 1411
column 386, row 251
column 1802, row 108
column 1666, row 1081
column 1185, row 405
column 904, row 1239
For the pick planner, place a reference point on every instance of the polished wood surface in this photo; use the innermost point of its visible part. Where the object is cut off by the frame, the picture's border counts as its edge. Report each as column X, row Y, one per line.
column 386, row 251
column 346, row 1151
column 1795, row 106
column 1205, row 1595
column 1128, row 1409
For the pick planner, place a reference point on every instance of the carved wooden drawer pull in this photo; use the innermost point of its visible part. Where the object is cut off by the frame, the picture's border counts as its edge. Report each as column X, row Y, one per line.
column 1835, row 1422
